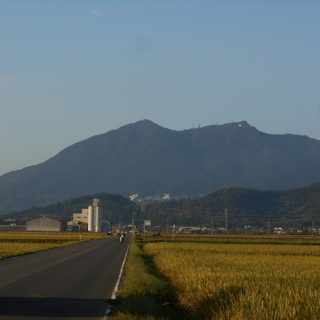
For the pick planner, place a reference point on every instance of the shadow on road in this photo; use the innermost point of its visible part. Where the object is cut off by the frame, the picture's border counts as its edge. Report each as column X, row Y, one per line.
column 52, row 307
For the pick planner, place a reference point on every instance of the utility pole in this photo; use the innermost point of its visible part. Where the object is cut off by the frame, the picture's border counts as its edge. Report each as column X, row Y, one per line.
column 79, row 224
column 226, row 219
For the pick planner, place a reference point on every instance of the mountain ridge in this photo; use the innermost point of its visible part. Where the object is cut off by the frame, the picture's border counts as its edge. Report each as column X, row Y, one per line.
column 146, row 158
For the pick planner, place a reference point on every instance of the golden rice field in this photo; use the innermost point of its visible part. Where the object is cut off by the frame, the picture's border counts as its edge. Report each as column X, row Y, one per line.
column 238, row 281
column 17, row 243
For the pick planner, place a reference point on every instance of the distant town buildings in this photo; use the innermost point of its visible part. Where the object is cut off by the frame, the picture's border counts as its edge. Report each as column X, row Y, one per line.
column 89, row 219
column 156, row 198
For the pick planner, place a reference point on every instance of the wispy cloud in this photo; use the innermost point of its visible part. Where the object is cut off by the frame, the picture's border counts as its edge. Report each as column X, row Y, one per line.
column 97, row 12
column 46, row 80
column 10, row 79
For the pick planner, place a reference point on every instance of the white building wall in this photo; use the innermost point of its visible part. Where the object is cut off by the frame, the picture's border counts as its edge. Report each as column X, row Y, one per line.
column 83, row 216
column 90, row 219
column 97, row 219
column 91, row 216
column 44, row 224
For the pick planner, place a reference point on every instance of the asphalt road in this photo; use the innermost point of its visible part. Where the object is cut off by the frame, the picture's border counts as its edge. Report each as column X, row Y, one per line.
column 72, row 282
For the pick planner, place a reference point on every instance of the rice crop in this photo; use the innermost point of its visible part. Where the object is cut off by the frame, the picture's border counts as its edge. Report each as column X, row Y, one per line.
column 242, row 280
column 18, row 243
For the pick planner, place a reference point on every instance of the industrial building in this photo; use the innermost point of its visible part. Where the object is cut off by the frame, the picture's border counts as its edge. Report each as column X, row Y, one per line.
column 90, row 219
column 44, row 224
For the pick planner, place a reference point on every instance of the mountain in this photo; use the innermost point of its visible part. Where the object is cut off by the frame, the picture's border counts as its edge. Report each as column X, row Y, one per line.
column 146, row 158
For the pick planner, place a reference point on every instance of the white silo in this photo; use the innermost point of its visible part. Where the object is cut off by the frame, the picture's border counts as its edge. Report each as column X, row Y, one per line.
column 97, row 219
column 94, row 217
column 90, row 218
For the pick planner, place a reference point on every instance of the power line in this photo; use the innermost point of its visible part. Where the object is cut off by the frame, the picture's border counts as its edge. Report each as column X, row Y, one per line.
column 234, row 217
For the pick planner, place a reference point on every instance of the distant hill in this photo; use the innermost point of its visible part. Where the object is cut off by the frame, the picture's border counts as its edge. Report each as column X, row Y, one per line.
column 115, row 209
column 292, row 208
column 146, row 158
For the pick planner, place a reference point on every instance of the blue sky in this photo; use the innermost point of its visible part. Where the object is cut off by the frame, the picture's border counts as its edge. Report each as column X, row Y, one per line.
column 74, row 69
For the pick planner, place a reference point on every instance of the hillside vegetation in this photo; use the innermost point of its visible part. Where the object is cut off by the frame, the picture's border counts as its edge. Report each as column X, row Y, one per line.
column 294, row 208
column 114, row 209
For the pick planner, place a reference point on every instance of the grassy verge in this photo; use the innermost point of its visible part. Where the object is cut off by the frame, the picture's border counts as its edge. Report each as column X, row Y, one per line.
column 146, row 294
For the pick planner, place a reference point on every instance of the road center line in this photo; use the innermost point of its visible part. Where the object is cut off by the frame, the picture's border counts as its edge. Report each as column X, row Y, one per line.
column 39, row 270
column 75, row 255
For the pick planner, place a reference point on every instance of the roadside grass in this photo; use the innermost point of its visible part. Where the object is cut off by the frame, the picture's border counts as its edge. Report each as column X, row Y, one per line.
column 223, row 278
column 18, row 243
column 146, row 294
